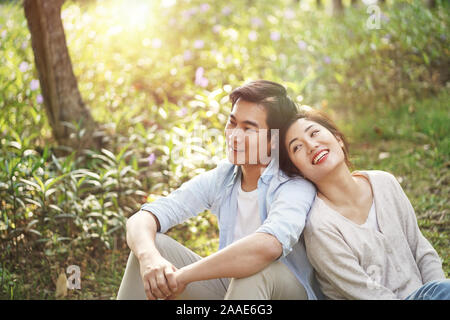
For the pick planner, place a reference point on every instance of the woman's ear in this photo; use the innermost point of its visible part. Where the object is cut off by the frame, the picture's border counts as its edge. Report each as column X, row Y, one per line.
column 341, row 143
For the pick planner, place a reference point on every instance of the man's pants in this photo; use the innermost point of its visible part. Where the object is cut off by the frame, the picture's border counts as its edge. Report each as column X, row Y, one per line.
column 275, row 282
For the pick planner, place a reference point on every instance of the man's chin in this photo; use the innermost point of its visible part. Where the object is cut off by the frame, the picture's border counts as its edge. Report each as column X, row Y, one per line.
column 236, row 160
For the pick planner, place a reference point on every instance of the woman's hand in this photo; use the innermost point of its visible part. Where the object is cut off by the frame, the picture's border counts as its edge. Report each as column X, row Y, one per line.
column 181, row 284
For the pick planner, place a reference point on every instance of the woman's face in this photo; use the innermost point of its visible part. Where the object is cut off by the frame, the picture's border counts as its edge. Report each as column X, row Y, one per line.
column 313, row 149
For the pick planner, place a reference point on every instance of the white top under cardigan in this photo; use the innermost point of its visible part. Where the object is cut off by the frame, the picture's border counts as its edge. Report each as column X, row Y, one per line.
column 355, row 262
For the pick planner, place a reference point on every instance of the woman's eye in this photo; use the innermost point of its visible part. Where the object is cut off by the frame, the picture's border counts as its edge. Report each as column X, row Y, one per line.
column 296, row 148
column 314, row 133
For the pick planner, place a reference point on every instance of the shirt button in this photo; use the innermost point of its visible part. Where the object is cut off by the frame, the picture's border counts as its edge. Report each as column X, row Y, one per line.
column 389, row 250
column 398, row 269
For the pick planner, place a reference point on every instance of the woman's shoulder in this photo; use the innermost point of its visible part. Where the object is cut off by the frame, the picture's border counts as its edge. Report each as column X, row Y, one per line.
column 378, row 177
column 320, row 216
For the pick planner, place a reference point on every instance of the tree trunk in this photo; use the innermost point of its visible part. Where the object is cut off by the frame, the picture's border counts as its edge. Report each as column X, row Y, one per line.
column 337, row 6
column 431, row 3
column 62, row 99
column 354, row 3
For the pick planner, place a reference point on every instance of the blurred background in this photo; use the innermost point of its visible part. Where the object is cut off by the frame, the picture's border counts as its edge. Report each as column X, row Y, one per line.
column 141, row 104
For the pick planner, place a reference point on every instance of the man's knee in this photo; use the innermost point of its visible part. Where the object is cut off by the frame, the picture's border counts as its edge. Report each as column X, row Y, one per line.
column 162, row 241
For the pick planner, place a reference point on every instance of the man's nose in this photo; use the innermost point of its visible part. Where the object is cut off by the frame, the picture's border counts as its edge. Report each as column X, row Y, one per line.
column 236, row 135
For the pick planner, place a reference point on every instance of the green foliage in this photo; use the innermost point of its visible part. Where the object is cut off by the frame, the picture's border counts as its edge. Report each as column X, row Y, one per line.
column 157, row 78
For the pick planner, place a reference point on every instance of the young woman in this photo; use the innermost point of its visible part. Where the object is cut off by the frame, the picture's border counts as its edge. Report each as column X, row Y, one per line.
column 362, row 236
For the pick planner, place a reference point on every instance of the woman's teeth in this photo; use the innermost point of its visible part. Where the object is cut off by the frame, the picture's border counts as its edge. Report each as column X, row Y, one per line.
column 320, row 156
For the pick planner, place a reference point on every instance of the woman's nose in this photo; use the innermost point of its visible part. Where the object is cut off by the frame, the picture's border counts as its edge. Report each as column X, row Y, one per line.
column 311, row 145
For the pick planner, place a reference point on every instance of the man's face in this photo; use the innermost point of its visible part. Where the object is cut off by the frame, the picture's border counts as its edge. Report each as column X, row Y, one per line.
column 246, row 134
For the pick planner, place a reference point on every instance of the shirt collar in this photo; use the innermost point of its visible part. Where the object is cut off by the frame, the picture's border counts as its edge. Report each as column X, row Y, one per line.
column 266, row 176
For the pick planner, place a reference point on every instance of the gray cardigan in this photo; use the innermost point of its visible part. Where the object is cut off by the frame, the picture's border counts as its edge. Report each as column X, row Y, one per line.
column 357, row 262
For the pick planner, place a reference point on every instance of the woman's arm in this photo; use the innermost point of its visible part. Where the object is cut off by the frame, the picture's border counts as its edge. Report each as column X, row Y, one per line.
column 427, row 259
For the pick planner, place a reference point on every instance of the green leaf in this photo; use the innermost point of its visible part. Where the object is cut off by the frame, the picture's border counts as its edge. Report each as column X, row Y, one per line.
column 31, row 183
column 39, row 181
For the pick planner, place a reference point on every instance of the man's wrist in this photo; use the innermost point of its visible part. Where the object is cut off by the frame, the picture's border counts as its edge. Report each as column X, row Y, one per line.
column 147, row 255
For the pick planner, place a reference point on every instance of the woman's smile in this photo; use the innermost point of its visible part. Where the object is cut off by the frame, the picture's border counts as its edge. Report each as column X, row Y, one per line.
column 320, row 156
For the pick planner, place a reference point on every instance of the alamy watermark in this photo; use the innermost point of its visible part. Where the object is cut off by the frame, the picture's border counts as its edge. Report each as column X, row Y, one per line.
column 74, row 278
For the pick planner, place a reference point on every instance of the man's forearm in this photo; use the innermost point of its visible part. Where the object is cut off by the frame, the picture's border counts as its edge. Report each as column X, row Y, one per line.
column 141, row 233
column 239, row 260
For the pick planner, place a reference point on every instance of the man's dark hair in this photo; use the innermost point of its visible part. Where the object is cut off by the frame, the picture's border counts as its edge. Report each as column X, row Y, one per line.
column 272, row 96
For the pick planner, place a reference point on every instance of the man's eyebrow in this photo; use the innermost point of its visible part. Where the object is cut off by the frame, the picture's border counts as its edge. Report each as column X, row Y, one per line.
column 249, row 122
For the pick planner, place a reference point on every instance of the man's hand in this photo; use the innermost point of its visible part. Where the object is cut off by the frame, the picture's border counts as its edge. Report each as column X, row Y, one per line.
column 158, row 276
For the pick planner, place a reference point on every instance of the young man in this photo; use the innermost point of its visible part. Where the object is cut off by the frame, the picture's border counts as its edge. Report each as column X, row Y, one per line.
column 261, row 215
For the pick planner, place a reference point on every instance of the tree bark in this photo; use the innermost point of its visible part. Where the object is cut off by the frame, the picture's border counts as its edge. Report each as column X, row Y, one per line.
column 59, row 87
column 337, row 6
column 431, row 3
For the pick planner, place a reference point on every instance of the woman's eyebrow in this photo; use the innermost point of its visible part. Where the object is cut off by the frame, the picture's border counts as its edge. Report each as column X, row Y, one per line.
column 289, row 146
column 309, row 127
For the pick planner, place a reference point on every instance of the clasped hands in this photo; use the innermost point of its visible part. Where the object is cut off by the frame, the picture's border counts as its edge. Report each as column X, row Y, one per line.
column 161, row 279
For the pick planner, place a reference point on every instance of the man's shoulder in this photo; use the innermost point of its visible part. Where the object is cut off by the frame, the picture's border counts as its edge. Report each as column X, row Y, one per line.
column 220, row 174
column 293, row 183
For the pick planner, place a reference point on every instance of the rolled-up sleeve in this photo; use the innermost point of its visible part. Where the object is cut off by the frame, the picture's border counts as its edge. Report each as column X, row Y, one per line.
column 288, row 212
column 190, row 199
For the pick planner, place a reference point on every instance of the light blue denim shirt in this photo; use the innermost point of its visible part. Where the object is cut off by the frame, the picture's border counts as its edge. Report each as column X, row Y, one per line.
column 283, row 203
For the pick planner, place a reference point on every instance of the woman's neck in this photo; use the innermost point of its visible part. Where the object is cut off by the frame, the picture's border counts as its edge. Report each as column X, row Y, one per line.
column 339, row 187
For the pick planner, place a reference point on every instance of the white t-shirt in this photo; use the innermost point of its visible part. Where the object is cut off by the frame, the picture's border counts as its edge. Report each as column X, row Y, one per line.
column 247, row 220
column 371, row 221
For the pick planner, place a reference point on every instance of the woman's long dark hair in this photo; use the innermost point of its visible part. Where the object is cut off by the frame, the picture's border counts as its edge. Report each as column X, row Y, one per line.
column 312, row 115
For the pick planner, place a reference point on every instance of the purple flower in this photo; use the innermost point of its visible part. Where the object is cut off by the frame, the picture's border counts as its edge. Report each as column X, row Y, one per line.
column 182, row 112
column 289, row 14
column 24, row 66
column 256, row 22
column 34, row 85
column 252, row 35
column 151, row 159
column 226, row 10
column 204, row 7
column 187, row 55
column 275, row 36
column 199, row 79
column 156, row 43
column 198, row 44
column 39, row 99
column 302, row 45
column 327, row 60
column 189, row 13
